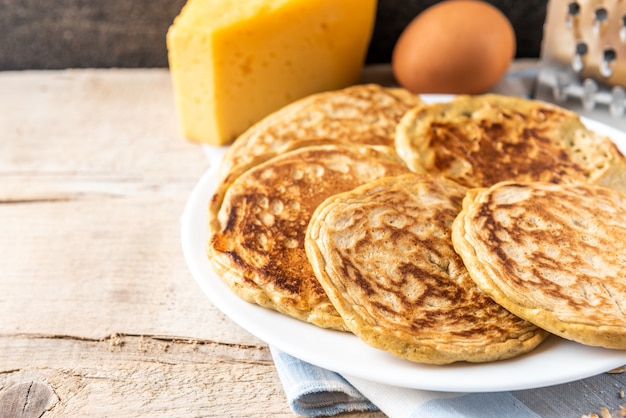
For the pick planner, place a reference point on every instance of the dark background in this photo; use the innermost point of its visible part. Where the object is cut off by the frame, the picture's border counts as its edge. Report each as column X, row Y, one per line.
column 56, row 34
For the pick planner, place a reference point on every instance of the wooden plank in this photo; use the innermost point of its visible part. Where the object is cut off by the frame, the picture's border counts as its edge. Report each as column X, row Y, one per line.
column 139, row 376
column 95, row 266
column 95, row 177
column 97, row 124
column 123, row 376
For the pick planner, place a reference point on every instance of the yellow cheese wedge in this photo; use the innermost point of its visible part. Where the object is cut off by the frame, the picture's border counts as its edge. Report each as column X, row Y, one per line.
column 235, row 61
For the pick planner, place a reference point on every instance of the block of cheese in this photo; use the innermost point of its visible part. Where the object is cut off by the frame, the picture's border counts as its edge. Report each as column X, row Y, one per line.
column 235, row 61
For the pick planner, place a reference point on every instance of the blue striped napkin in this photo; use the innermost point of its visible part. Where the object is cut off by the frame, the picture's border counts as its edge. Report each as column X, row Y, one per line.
column 313, row 391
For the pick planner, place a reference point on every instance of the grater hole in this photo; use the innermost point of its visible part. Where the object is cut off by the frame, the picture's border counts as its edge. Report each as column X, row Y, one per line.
column 573, row 8
column 609, row 55
column 601, row 14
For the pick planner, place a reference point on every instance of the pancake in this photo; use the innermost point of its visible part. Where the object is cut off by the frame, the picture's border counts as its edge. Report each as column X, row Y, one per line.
column 552, row 254
column 365, row 114
column 384, row 256
column 257, row 224
column 482, row 140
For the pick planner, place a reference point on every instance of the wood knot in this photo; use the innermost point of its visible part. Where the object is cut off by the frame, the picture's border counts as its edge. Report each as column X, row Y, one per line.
column 27, row 399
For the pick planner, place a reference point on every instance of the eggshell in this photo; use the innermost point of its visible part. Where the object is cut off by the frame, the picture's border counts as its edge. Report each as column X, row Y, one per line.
column 456, row 46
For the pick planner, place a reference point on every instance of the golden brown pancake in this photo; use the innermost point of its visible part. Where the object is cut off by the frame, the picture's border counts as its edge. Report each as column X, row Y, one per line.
column 364, row 114
column 383, row 254
column 481, row 140
column 552, row 254
column 258, row 222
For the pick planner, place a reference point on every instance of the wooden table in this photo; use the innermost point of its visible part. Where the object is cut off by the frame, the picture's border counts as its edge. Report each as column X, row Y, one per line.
column 99, row 315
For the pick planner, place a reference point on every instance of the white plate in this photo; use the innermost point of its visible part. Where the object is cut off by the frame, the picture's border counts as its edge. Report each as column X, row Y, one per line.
column 555, row 361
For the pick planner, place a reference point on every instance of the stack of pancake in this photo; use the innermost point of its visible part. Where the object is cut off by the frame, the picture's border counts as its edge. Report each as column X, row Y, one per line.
column 461, row 231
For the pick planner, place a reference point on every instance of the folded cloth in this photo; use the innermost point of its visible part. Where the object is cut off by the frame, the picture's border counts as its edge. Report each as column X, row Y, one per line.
column 314, row 391
column 600, row 395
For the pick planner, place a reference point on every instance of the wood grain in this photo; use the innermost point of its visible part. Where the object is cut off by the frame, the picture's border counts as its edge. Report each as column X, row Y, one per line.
column 99, row 313
column 142, row 376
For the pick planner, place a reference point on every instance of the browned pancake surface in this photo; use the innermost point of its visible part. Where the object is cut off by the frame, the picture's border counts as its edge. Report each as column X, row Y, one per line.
column 481, row 140
column 384, row 255
column 552, row 254
column 258, row 223
column 364, row 114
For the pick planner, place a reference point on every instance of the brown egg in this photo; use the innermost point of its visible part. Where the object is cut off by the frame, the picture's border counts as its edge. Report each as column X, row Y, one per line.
column 456, row 46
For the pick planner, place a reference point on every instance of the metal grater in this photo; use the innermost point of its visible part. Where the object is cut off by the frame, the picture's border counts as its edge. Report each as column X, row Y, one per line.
column 583, row 54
